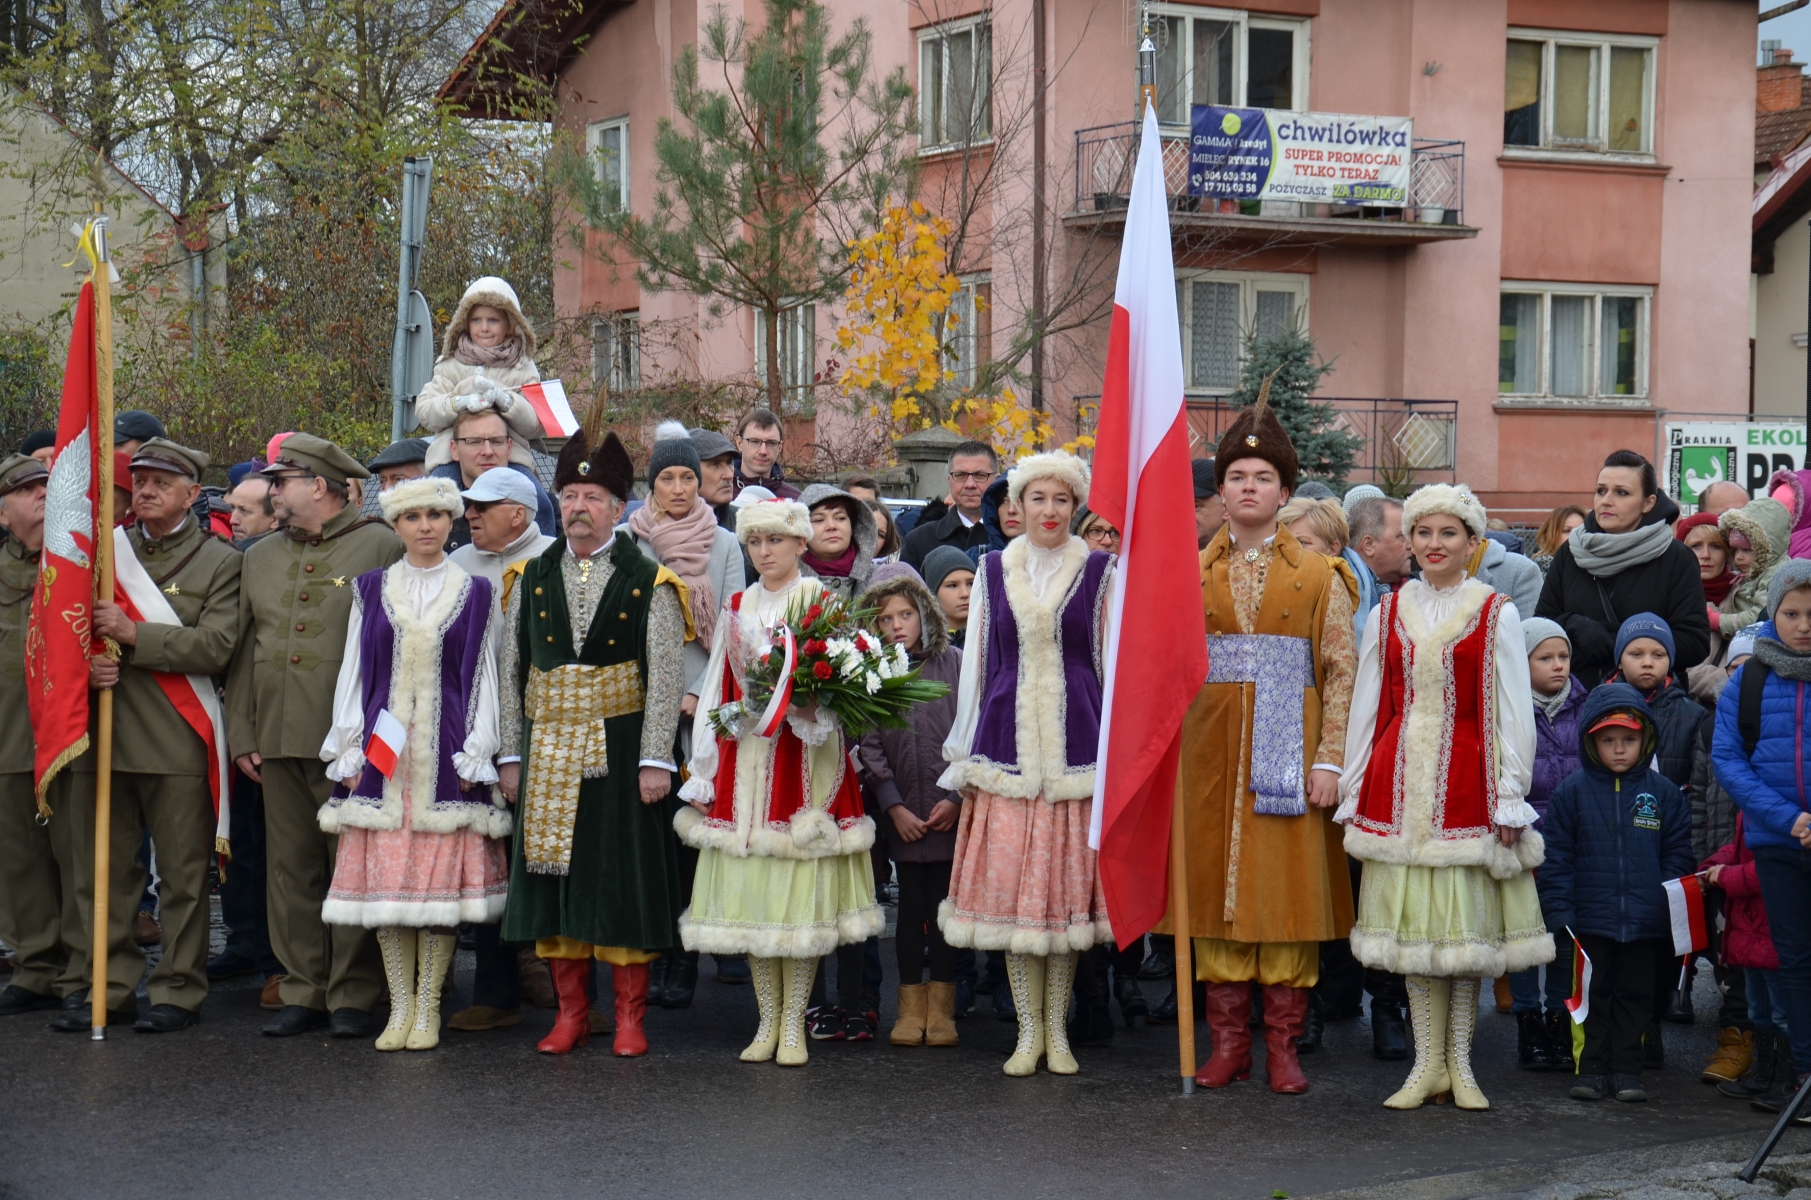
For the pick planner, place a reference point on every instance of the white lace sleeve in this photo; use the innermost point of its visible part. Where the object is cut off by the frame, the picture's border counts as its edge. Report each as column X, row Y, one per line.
column 816, row 731
column 344, row 749
column 700, row 786
column 1367, row 689
column 1515, row 722
column 474, row 762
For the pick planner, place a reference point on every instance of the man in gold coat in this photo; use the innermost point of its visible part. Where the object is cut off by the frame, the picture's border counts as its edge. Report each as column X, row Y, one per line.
column 1262, row 749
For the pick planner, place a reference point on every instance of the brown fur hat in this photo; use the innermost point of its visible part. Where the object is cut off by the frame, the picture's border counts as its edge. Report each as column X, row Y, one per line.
column 608, row 465
column 1256, row 433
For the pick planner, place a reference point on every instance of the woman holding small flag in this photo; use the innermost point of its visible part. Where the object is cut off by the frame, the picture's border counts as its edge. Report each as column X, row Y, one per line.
column 411, row 748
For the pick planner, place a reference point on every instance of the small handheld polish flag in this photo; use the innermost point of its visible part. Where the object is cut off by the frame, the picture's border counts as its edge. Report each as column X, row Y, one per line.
column 385, row 744
column 1580, row 1003
column 548, row 399
column 1685, row 903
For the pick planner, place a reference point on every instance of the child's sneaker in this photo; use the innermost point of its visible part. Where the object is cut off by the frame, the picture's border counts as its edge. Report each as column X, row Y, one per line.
column 827, row 1025
column 870, row 1007
column 1629, row 1089
column 857, row 1028
column 1591, row 1087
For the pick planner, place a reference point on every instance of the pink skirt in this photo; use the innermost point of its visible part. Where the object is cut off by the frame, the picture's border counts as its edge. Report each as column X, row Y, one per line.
column 1024, row 879
column 401, row 877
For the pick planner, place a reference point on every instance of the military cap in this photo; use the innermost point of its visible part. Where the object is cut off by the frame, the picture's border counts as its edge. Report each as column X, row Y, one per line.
column 161, row 454
column 18, row 470
column 317, row 456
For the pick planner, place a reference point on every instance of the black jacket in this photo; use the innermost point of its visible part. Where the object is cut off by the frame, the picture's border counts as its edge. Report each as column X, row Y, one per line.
column 1667, row 586
column 946, row 531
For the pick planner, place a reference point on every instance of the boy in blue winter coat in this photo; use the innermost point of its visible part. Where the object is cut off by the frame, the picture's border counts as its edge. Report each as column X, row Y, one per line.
column 1616, row 830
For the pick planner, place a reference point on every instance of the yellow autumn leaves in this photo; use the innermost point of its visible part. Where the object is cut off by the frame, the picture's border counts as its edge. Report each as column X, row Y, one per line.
column 899, row 295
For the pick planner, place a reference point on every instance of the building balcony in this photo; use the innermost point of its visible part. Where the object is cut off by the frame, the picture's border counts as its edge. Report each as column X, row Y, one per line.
column 1106, row 154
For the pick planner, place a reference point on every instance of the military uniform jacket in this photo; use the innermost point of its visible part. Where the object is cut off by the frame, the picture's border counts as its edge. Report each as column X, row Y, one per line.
column 293, row 615
column 198, row 574
column 18, row 579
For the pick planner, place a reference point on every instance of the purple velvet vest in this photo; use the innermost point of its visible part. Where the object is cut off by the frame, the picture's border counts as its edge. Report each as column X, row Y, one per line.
column 1077, row 628
column 461, row 651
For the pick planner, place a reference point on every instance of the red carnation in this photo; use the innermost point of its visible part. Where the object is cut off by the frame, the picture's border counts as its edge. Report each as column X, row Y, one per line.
column 813, row 613
column 823, row 670
column 815, row 646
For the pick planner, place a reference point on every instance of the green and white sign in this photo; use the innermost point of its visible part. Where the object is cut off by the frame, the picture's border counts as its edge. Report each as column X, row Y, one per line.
column 1700, row 453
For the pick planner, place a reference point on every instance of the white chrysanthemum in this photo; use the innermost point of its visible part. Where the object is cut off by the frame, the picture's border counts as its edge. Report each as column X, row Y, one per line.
column 873, row 683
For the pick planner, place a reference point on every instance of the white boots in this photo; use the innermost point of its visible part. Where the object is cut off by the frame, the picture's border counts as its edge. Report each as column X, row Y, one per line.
column 1443, row 1012
column 764, row 975
column 431, row 968
column 793, row 1042
column 415, row 964
column 398, row 945
column 1040, row 993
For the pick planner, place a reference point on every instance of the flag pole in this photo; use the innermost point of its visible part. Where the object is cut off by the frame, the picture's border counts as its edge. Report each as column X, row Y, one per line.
column 1185, row 947
column 103, row 588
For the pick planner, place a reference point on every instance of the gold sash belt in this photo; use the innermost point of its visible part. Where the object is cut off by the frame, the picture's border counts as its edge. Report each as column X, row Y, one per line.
column 568, row 706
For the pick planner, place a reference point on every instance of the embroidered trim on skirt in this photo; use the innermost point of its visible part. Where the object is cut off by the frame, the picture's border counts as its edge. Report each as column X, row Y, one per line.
column 401, row 877
column 780, row 907
column 1448, row 921
column 1024, row 879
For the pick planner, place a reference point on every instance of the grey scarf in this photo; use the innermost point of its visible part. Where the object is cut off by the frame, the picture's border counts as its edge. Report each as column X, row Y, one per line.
column 1605, row 554
column 1551, row 705
column 1782, row 661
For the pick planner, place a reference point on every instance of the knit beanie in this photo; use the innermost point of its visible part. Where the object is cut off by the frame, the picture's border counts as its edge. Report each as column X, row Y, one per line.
column 940, row 562
column 1360, row 492
column 673, row 447
column 1536, row 630
column 1790, row 574
column 1647, row 625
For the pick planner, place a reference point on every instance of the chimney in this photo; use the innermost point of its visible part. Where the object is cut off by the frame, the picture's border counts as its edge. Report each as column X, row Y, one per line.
column 1779, row 86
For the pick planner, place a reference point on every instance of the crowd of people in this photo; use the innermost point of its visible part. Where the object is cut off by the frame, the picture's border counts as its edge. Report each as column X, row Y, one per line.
column 477, row 693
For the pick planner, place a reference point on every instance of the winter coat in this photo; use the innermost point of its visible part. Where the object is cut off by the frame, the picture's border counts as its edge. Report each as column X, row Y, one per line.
column 1555, row 746
column 1767, row 525
column 1788, row 487
column 946, row 530
column 1747, row 938
column 1612, row 841
column 865, row 534
column 902, row 765
column 775, row 481
column 1511, row 574
column 1713, row 811
column 1679, row 721
column 1667, row 586
column 727, row 578
column 439, row 402
column 1769, row 789
column 546, row 519
column 991, row 500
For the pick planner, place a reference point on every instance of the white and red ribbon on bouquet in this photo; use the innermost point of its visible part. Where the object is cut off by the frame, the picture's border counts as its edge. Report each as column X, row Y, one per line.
column 782, row 692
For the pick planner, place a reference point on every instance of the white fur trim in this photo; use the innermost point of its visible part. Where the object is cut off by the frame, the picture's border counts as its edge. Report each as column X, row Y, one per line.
column 1057, row 464
column 1455, row 500
column 374, row 914
column 1381, row 951
column 966, row 933
column 773, row 516
column 1503, row 862
column 490, row 285
column 781, row 941
column 412, row 494
column 809, row 834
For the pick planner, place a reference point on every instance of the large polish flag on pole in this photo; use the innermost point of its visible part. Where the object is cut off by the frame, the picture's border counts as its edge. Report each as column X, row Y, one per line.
column 1157, row 638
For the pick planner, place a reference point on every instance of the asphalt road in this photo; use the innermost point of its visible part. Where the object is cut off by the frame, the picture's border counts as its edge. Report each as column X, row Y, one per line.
column 221, row 1111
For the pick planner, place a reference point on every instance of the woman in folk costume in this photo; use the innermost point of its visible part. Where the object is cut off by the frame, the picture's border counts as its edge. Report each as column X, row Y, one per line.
column 784, row 874
column 420, row 827
column 1439, row 757
column 1022, row 752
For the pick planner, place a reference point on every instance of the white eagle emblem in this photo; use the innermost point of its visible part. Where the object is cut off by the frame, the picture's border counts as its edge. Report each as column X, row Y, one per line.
column 67, row 513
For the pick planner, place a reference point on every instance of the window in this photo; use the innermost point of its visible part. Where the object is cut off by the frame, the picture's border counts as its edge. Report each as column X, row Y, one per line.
column 798, row 347
column 955, row 84
column 1212, row 56
column 968, row 337
column 1219, row 308
column 616, row 351
column 1571, row 341
column 1579, row 93
column 608, row 144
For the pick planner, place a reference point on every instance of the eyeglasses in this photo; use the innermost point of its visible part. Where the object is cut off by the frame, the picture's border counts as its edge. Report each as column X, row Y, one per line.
column 496, row 443
column 277, row 481
column 1101, row 535
column 970, row 476
column 762, row 443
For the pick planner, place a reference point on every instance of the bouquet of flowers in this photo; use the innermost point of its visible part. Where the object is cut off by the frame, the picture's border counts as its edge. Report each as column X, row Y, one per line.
column 821, row 653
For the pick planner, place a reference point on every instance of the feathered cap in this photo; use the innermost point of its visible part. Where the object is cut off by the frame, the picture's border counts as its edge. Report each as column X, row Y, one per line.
column 773, row 516
column 1059, row 465
column 1256, row 433
column 412, row 494
column 1455, row 500
column 608, row 466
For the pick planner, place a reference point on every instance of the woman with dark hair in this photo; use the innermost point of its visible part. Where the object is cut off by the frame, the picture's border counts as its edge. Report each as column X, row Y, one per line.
column 843, row 541
column 1621, row 561
column 887, row 549
column 1553, row 534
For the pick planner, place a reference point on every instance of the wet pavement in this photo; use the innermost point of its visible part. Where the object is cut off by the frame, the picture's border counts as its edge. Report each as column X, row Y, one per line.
column 221, row 1111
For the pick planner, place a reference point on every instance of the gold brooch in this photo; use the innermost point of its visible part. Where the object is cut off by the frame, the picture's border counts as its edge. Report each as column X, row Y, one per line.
column 172, row 590
column 338, row 581
column 1251, row 439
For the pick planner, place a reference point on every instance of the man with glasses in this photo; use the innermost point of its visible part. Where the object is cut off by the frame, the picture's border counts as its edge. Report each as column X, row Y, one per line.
column 758, row 443
column 294, row 607
column 973, row 466
column 481, row 443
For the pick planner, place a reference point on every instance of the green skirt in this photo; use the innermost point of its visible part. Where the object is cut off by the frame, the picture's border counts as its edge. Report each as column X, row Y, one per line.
column 1448, row 921
column 780, row 907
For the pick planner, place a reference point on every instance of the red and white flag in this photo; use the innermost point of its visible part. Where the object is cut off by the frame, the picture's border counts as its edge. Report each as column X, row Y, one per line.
column 384, row 746
column 1685, row 903
column 548, row 399
column 1579, row 1005
column 769, row 723
column 1156, row 657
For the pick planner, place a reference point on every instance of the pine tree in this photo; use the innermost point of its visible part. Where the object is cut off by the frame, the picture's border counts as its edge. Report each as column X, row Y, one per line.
column 1326, row 448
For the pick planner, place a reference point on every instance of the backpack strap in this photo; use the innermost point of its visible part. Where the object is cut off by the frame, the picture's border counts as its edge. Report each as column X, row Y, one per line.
column 1748, row 710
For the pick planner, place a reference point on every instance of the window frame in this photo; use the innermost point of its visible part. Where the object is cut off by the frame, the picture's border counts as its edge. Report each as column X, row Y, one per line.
column 969, row 343
column 982, row 26
column 1597, row 292
column 798, row 350
column 610, row 334
column 1250, row 284
column 1244, row 23
column 1603, row 44
column 593, row 143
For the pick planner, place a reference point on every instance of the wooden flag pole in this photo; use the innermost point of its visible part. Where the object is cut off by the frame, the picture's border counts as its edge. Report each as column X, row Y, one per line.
column 103, row 588
column 1185, row 948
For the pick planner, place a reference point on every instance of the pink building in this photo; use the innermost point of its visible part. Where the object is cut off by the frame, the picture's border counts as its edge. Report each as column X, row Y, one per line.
column 1570, row 268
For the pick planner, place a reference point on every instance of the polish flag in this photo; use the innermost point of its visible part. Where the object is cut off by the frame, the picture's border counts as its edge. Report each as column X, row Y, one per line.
column 548, row 399
column 1579, row 1005
column 384, row 746
column 1156, row 656
column 1685, row 902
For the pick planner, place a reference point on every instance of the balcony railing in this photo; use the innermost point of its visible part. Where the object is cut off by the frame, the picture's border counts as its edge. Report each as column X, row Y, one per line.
column 1106, row 154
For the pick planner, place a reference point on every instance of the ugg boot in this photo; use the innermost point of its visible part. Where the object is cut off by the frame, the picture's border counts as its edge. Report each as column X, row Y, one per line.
column 536, row 979
column 1735, row 1048
column 1285, row 1014
column 1462, row 1019
column 1226, row 1010
column 398, row 945
column 572, row 1028
column 792, row 1051
column 940, row 1014
column 1429, row 1001
column 431, row 967
column 631, row 985
column 1505, row 999
column 1025, row 975
column 1059, row 979
column 1759, row 1076
column 764, row 974
column 908, row 1030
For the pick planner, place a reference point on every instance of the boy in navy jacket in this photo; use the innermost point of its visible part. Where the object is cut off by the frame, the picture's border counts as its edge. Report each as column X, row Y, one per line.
column 1616, row 830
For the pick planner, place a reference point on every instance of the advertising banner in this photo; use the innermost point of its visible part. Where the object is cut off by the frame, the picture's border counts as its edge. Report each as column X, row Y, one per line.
column 1700, row 453
column 1320, row 158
